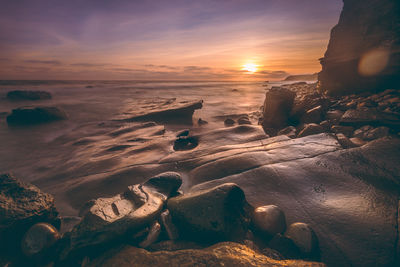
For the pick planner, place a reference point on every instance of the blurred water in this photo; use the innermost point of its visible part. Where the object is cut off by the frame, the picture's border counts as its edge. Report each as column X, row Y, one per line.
column 40, row 152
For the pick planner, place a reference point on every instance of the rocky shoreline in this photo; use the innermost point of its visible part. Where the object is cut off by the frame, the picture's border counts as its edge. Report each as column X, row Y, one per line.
column 241, row 197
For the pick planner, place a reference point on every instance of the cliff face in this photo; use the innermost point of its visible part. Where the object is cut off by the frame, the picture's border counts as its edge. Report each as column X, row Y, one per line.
column 364, row 49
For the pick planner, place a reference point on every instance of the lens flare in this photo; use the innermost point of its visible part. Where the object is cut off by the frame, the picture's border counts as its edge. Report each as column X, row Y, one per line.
column 373, row 62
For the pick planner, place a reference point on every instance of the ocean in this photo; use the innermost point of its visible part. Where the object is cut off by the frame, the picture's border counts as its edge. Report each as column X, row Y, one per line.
column 60, row 155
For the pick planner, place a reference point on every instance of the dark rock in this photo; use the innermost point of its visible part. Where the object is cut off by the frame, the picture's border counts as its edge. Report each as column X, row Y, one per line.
column 376, row 133
column 270, row 220
column 35, row 115
column 219, row 255
column 313, row 115
column 175, row 113
column 39, row 239
column 152, row 235
column 334, row 115
column 185, row 143
column 360, row 133
column 311, row 129
column 363, row 51
column 285, row 246
column 220, row 213
column 21, row 206
column 28, row 95
column 289, row 131
column 168, row 225
column 201, row 122
column 346, row 130
column 183, row 133
column 229, row 122
column 357, row 141
column 244, row 120
column 272, row 253
column 303, row 237
column 108, row 219
column 344, row 141
column 356, row 117
column 277, row 106
column 326, row 125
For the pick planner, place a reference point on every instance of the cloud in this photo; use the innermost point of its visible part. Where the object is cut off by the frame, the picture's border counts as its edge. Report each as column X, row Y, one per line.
column 161, row 67
column 45, row 62
column 196, row 69
column 90, row 65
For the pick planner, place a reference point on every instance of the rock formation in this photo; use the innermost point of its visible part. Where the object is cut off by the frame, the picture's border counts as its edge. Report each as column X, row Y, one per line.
column 35, row 115
column 28, row 95
column 364, row 48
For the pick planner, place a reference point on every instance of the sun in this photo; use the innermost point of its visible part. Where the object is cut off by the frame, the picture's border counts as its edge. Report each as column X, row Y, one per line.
column 250, row 67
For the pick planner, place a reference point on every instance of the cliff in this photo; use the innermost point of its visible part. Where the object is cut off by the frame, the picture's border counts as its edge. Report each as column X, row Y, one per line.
column 363, row 53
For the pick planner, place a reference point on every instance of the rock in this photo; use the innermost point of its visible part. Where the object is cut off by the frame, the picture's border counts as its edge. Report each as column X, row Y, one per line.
column 313, row 115
column 355, row 117
column 346, row 130
column 272, row 253
column 363, row 51
column 39, row 239
column 229, row 122
column 302, row 77
column 303, row 237
column 357, row 141
column 108, row 219
column 152, row 236
column 326, row 125
column 168, row 225
column 344, row 141
column 219, row 213
column 334, row 115
column 183, row 133
column 35, row 115
column 277, row 106
column 201, row 122
column 174, row 113
column 289, row 131
column 269, row 220
column 185, row 143
column 218, row 255
column 173, row 245
column 244, row 120
column 285, row 246
column 28, row 95
column 311, row 129
column 376, row 133
column 360, row 133
column 21, row 206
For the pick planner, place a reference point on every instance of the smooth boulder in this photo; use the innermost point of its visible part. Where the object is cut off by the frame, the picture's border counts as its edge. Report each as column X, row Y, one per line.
column 269, row 220
column 39, row 239
column 219, row 213
column 303, row 237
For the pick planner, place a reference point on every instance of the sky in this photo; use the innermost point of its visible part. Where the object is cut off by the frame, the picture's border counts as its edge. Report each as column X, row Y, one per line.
column 163, row 39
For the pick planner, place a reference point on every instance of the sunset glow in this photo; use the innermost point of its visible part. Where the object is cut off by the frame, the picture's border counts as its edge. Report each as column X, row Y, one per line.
column 250, row 67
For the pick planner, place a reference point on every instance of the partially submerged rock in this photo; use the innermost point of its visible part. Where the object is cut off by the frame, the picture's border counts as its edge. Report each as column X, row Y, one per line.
column 28, row 95
column 219, row 213
column 175, row 113
column 221, row 254
column 35, row 115
column 277, row 106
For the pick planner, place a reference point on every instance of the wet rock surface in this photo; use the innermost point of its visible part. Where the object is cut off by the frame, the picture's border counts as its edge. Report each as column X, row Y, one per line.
column 35, row 115
column 175, row 112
